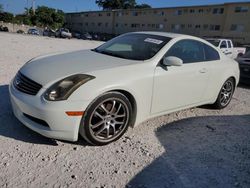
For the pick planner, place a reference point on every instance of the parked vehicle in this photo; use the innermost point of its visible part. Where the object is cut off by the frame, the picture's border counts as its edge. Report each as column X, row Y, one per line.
column 33, row 31
column 49, row 32
column 4, row 29
column 96, row 36
column 76, row 34
column 20, row 31
column 63, row 33
column 87, row 36
column 99, row 93
column 244, row 63
column 247, row 47
column 227, row 47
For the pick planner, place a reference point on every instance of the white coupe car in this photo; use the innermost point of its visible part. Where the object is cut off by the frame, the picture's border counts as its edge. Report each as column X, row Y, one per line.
column 99, row 93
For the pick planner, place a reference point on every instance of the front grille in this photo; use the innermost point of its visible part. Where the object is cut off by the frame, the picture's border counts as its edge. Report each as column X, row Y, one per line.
column 36, row 120
column 26, row 85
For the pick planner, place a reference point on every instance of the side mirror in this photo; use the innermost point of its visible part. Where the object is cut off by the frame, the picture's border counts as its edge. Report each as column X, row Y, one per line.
column 172, row 61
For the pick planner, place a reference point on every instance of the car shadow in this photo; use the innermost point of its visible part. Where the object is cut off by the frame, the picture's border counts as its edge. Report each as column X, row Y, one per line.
column 11, row 127
column 211, row 151
column 244, row 86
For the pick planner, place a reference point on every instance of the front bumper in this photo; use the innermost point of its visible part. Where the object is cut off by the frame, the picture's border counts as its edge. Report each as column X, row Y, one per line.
column 60, row 125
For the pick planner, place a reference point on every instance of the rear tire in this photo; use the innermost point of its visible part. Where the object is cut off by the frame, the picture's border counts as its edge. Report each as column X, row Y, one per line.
column 225, row 94
column 106, row 119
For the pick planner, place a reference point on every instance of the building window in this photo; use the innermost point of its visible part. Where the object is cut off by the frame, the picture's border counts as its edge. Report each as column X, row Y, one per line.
column 135, row 13
column 108, row 14
column 93, row 24
column 178, row 12
column 99, row 24
column 241, row 9
column 119, row 14
column 198, row 26
column 99, row 14
column 201, row 10
column 142, row 25
column 208, row 10
column 159, row 26
column 214, row 27
column 190, row 25
column 237, row 27
column 192, row 11
column 86, row 15
column 185, row 11
column 153, row 25
column 135, row 25
column 175, row 27
column 205, row 26
column 182, row 26
column 218, row 10
column 162, row 13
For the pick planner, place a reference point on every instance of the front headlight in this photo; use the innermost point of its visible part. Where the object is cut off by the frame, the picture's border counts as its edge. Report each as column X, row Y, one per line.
column 64, row 88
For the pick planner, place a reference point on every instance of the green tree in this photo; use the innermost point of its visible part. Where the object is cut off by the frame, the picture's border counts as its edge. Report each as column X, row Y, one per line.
column 6, row 17
column 44, row 17
column 141, row 6
column 120, row 4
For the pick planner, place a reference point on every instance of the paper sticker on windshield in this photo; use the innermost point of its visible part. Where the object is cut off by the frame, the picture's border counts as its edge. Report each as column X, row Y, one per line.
column 155, row 41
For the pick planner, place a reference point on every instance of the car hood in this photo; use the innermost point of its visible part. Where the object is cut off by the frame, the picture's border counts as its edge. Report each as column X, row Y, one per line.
column 46, row 69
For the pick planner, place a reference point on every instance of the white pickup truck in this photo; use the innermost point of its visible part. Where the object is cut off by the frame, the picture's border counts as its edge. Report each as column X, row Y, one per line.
column 226, row 46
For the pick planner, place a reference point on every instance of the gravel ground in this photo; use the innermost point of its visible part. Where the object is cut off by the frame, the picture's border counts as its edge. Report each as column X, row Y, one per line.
column 199, row 147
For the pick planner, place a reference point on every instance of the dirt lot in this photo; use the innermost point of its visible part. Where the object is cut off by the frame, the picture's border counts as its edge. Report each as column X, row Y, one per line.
column 199, row 147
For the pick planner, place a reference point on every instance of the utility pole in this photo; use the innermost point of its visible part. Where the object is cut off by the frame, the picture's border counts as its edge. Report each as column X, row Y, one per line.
column 28, row 8
column 33, row 7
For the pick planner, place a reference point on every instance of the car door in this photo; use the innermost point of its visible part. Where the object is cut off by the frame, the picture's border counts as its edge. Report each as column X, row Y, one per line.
column 224, row 47
column 230, row 49
column 180, row 86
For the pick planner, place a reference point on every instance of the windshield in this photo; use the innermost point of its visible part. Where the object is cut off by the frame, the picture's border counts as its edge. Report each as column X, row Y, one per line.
column 214, row 42
column 134, row 46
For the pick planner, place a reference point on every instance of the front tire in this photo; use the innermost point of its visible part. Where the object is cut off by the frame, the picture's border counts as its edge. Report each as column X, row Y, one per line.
column 225, row 95
column 106, row 119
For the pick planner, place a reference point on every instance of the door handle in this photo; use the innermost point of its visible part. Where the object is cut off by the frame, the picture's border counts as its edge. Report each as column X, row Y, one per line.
column 204, row 70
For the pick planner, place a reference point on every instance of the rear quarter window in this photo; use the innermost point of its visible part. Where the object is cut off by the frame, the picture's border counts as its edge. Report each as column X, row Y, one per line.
column 211, row 54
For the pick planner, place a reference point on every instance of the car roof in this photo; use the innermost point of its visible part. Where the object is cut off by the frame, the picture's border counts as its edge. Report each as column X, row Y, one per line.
column 164, row 34
column 216, row 39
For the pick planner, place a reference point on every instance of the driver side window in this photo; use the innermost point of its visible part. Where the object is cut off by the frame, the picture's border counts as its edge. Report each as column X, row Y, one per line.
column 189, row 51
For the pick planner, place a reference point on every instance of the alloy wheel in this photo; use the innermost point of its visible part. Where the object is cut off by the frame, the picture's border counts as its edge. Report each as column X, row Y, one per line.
column 109, row 119
column 226, row 93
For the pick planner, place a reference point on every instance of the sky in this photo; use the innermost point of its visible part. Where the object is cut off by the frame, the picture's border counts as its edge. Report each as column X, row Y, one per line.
column 17, row 6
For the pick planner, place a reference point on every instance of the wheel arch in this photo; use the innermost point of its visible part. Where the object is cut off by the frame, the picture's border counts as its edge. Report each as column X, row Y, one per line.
column 132, row 101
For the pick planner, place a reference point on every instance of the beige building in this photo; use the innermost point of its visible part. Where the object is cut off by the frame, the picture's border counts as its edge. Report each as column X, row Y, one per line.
column 229, row 20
